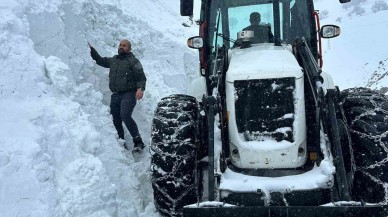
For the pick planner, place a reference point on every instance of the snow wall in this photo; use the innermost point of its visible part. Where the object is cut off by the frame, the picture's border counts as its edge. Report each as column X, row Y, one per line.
column 59, row 152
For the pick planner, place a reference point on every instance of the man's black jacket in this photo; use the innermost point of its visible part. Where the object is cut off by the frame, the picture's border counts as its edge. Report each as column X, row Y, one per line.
column 125, row 74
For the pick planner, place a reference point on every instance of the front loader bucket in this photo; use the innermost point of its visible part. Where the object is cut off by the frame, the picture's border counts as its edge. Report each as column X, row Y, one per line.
column 283, row 211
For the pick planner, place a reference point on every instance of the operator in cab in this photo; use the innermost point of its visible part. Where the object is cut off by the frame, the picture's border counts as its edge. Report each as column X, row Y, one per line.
column 262, row 33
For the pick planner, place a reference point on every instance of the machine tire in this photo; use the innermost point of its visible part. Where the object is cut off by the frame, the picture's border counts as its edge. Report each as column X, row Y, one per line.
column 366, row 112
column 174, row 147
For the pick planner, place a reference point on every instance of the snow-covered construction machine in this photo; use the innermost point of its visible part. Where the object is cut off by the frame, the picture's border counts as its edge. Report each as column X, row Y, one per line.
column 264, row 131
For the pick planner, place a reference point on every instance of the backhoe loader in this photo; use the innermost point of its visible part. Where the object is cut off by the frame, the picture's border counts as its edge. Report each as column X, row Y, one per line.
column 263, row 130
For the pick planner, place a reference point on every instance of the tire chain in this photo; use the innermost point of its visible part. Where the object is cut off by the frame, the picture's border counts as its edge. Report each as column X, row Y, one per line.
column 375, row 138
column 170, row 176
column 378, row 138
column 378, row 181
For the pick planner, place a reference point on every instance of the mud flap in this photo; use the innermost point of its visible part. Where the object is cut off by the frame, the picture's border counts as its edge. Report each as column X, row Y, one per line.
column 299, row 211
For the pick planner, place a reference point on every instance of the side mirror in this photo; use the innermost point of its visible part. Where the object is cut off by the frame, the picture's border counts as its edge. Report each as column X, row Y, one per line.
column 344, row 1
column 195, row 42
column 187, row 7
column 330, row 31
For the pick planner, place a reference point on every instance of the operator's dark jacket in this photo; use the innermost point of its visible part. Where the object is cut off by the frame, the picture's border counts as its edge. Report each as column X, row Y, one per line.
column 125, row 74
column 262, row 34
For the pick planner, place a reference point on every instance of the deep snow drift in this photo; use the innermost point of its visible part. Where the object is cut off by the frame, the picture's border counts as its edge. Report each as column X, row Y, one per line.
column 59, row 152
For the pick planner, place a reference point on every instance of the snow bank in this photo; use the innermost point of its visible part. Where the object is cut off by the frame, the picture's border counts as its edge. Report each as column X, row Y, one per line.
column 59, row 152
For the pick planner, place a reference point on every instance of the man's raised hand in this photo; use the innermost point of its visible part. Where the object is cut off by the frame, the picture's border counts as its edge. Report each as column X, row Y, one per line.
column 90, row 46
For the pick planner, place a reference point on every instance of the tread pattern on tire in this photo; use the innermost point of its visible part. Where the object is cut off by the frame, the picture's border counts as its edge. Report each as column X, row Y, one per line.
column 366, row 112
column 174, row 147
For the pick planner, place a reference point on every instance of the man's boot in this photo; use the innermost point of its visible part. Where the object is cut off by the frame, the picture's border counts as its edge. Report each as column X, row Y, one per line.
column 138, row 144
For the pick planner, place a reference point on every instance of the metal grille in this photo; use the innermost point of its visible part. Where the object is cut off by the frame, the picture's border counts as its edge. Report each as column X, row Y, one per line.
column 265, row 108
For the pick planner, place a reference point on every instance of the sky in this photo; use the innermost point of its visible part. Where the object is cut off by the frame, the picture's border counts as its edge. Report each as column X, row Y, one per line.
column 59, row 152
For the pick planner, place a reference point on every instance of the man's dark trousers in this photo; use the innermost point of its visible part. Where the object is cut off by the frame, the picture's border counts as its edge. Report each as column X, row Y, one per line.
column 121, row 108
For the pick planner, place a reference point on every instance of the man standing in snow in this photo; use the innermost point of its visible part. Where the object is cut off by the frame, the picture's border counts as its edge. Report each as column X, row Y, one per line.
column 127, row 81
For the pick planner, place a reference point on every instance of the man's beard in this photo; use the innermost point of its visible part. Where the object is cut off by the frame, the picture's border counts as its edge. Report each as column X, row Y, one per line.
column 121, row 51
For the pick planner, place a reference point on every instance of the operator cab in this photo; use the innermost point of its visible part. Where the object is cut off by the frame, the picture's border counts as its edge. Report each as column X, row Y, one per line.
column 276, row 22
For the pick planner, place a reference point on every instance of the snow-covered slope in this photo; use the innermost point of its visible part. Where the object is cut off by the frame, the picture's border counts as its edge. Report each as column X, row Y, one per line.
column 59, row 152
column 358, row 57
